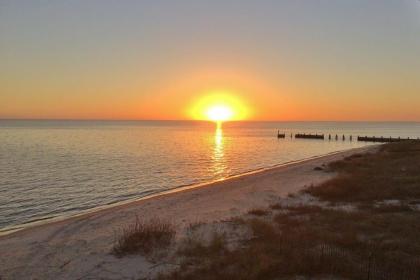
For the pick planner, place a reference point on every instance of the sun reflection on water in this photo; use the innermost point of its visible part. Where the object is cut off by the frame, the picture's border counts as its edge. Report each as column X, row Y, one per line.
column 219, row 163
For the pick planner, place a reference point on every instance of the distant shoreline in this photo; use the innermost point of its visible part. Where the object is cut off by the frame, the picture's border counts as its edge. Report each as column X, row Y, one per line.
column 212, row 122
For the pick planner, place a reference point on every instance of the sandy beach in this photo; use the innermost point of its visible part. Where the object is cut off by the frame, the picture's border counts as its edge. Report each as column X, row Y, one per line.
column 79, row 247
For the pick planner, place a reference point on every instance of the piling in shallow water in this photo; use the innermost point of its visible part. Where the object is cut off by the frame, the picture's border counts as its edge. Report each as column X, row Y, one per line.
column 309, row 136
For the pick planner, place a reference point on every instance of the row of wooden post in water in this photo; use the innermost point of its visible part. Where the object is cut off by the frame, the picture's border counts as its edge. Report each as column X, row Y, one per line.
column 342, row 137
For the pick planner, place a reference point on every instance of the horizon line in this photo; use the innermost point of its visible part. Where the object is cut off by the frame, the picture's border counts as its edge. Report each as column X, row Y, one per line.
column 209, row 121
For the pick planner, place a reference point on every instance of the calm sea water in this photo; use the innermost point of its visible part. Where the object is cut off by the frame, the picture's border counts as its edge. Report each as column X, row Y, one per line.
column 60, row 168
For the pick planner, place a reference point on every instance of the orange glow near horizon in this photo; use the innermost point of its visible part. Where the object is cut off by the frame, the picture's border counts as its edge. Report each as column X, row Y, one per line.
column 219, row 106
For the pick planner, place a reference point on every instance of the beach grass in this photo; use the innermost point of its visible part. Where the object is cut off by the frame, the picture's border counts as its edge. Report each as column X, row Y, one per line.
column 391, row 173
column 259, row 212
column 375, row 238
column 144, row 237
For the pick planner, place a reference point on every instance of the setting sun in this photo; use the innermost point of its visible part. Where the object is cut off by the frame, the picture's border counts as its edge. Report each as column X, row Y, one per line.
column 219, row 113
column 219, row 106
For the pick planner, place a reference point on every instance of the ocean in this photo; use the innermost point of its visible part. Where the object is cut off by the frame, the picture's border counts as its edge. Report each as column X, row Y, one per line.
column 53, row 169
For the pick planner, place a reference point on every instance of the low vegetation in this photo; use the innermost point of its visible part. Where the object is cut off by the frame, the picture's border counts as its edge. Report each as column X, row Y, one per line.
column 198, row 249
column 375, row 238
column 258, row 212
column 391, row 173
column 143, row 237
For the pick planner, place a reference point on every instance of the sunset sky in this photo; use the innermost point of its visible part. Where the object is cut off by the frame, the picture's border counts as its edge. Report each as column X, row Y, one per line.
column 281, row 60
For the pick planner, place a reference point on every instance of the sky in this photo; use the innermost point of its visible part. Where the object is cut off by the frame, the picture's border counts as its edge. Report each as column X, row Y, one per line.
column 283, row 60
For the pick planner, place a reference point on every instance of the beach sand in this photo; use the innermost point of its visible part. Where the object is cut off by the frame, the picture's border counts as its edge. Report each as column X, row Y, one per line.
column 79, row 247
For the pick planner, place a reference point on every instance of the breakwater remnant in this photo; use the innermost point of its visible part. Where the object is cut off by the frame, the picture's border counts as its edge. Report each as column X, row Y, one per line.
column 281, row 135
column 309, row 136
column 330, row 137
column 381, row 139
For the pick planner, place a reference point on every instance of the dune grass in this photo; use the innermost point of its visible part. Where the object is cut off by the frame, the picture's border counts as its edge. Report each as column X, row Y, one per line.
column 259, row 212
column 391, row 173
column 376, row 240
column 144, row 237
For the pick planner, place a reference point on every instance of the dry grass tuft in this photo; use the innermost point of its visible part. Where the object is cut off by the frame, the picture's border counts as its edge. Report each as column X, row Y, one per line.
column 258, row 212
column 276, row 206
column 143, row 237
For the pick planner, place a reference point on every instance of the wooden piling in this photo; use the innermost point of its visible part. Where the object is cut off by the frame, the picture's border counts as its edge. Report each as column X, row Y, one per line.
column 280, row 135
column 309, row 136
